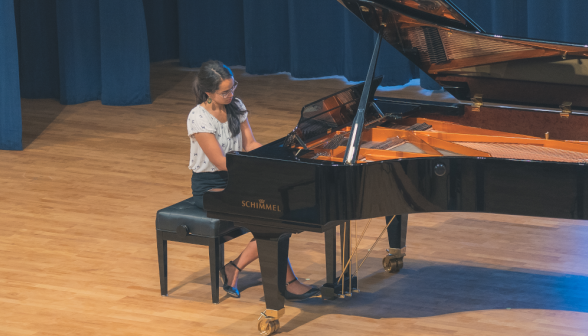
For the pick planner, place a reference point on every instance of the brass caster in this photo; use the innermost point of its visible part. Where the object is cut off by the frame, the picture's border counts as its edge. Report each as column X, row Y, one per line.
column 392, row 264
column 267, row 325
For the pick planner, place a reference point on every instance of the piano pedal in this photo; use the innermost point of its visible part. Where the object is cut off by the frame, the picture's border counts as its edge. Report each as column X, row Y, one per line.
column 332, row 292
column 328, row 292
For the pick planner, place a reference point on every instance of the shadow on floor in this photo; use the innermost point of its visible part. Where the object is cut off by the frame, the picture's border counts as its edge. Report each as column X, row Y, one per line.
column 165, row 76
column 37, row 115
column 424, row 289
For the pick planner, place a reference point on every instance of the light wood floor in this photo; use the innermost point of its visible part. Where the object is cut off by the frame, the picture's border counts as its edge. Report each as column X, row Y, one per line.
column 78, row 257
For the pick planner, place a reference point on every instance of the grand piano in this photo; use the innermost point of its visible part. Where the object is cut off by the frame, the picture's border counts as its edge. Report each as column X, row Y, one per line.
column 514, row 142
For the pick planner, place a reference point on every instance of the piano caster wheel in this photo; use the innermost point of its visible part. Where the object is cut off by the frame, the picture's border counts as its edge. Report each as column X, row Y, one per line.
column 392, row 265
column 267, row 325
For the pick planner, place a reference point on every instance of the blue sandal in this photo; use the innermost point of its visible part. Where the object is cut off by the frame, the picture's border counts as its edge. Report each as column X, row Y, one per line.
column 231, row 291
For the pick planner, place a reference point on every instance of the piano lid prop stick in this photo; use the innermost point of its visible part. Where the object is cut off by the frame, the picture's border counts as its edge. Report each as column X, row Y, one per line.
column 343, row 257
column 356, row 270
column 354, row 138
column 350, row 259
column 356, row 247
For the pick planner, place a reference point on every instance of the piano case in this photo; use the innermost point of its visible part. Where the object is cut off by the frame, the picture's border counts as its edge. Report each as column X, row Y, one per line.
column 513, row 142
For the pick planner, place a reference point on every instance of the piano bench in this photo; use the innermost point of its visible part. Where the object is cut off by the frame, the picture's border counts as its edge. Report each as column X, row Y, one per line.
column 185, row 222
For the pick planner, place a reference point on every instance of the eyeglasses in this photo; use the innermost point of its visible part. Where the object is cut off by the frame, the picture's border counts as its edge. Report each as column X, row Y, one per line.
column 229, row 92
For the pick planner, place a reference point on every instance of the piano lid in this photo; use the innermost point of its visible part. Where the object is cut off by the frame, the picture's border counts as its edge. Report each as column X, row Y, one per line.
column 442, row 41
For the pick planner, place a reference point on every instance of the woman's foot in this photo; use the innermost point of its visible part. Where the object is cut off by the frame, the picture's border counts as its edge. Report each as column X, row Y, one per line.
column 296, row 290
column 229, row 274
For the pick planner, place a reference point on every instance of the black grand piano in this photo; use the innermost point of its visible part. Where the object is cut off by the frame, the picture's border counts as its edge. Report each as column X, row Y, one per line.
column 514, row 143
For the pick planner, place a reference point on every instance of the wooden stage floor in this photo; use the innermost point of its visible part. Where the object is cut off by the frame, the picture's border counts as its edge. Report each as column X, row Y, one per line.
column 77, row 209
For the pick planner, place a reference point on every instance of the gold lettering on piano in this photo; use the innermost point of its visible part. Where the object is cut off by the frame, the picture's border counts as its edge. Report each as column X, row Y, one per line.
column 260, row 204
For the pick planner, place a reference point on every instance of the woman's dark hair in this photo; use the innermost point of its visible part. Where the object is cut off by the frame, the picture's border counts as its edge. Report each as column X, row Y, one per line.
column 209, row 78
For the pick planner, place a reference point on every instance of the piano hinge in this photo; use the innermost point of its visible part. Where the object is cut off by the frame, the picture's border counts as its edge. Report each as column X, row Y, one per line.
column 566, row 109
column 477, row 102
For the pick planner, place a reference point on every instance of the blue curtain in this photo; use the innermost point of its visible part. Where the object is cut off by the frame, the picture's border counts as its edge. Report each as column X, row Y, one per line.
column 79, row 48
column 10, row 118
column 124, row 53
column 565, row 21
column 211, row 30
column 162, row 29
column 39, row 78
column 77, row 51
column 556, row 20
column 314, row 38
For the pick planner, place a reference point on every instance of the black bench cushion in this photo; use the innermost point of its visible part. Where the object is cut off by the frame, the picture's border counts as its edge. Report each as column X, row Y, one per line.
column 188, row 214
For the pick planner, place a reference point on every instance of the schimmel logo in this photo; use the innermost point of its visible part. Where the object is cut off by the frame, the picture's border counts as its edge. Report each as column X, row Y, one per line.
column 260, row 204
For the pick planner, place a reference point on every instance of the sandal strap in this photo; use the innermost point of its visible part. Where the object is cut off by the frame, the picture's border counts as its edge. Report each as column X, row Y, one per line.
column 295, row 278
column 234, row 265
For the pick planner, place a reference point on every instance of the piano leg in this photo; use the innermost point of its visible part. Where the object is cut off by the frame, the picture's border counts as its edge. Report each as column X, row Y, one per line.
column 273, row 260
column 345, row 236
column 328, row 291
column 393, row 262
column 332, row 288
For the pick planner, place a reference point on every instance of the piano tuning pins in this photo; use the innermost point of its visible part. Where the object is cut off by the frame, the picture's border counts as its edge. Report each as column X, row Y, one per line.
column 546, row 135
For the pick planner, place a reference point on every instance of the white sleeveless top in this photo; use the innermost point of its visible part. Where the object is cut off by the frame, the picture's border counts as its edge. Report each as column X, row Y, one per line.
column 201, row 121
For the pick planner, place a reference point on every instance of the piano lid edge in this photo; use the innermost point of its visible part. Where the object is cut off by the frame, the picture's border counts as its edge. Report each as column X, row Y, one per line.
column 502, row 51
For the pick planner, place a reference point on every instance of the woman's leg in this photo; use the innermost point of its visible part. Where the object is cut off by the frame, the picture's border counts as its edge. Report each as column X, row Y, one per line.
column 248, row 255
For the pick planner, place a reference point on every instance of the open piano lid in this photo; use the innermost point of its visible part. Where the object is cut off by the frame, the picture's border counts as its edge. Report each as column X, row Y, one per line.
column 473, row 65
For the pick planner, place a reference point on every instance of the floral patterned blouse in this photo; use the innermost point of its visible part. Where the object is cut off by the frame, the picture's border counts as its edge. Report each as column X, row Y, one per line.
column 201, row 121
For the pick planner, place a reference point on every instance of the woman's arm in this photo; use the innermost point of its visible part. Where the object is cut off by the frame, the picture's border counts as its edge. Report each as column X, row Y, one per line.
column 212, row 149
column 249, row 142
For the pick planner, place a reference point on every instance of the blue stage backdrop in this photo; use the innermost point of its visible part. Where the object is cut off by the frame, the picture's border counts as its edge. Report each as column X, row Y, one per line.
column 77, row 51
column 10, row 119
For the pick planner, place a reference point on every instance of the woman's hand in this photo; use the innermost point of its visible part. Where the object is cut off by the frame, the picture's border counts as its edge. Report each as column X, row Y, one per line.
column 249, row 142
column 212, row 149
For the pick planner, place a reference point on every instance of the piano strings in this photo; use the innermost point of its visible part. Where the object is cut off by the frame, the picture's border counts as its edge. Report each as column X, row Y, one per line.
column 421, row 137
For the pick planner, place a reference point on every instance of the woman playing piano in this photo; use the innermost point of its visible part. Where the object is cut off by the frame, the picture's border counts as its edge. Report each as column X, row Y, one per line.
column 218, row 124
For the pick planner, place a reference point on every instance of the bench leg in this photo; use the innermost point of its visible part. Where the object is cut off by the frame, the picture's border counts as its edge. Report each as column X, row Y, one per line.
column 215, row 250
column 162, row 258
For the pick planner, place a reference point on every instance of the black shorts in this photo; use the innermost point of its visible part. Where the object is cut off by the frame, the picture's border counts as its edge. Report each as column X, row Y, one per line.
column 203, row 182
